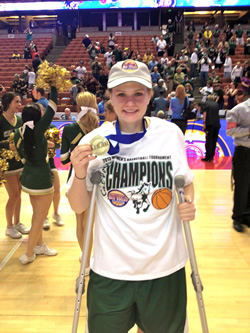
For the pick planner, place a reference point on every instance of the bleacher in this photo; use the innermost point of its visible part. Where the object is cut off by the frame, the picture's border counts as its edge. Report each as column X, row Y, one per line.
column 10, row 67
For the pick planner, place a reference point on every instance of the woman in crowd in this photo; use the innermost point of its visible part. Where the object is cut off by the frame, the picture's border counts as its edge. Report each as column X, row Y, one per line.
column 177, row 107
column 231, row 92
column 9, row 121
column 72, row 134
column 36, row 178
column 137, row 275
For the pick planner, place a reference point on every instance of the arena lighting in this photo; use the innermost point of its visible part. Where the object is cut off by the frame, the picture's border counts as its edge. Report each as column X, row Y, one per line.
column 102, row 4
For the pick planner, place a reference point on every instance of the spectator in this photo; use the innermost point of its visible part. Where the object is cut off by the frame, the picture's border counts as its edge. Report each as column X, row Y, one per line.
column 162, row 115
column 237, row 73
column 109, row 112
column 211, row 126
column 159, row 87
column 91, row 83
column 219, row 93
column 231, row 92
column 117, row 53
column 152, row 63
column 19, row 86
column 67, row 115
column 170, row 28
column 177, row 107
column 31, row 78
column 178, row 22
column 96, row 67
column 74, row 26
column 154, row 40
column 208, row 36
column 101, row 106
column 194, row 61
column 228, row 32
column 178, row 77
column 214, row 78
column 104, row 77
column 81, row 70
column 108, row 56
column 212, row 52
column 232, row 45
column 189, row 91
column 74, row 76
column 111, row 41
column 26, row 52
column 113, row 61
column 15, row 55
column 33, row 50
column 219, row 60
column 247, row 47
column 216, row 35
column 204, row 69
column 86, row 41
column 171, row 47
column 164, row 60
column 155, row 75
column 36, row 63
column 160, row 103
column 191, row 26
column 75, row 90
column 93, row 52
column 39, row 96
column 239, row 35
column 126, row 54
column 25, row 74
column 245, row 82
column 29, row 35
column 227, row 67
column 161, row 46
column 206, row 91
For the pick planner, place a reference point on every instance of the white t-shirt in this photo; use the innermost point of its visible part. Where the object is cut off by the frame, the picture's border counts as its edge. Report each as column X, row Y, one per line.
column 161, row 44
column 80, row 71
column 138, row 232
column 108, row 56
column 31, row 77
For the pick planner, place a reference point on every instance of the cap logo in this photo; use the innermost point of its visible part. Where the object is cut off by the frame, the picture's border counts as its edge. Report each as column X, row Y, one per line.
column 129, row 66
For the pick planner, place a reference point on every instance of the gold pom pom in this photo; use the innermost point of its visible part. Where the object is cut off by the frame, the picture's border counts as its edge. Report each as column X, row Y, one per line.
column 53, row 134
column 49, row 74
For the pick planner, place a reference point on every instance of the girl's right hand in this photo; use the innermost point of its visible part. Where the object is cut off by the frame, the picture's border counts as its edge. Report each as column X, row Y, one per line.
column 80, row 158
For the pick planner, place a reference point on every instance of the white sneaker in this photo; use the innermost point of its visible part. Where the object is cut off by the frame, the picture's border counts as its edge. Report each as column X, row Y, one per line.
column 58, row 219
column 13, row 232
column 46, row 224
column 22, row 228
column 44, row 249
column 24, row 259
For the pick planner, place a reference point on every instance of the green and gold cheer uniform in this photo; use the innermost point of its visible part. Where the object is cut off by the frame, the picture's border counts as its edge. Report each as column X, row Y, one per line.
column 6, row 129
column 71, row 136
column 36, row 178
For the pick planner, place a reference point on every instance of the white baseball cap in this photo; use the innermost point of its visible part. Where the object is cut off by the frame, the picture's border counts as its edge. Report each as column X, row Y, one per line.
column 129, row 71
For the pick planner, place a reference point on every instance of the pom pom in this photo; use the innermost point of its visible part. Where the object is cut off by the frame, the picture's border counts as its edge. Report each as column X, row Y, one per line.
column 51, row 75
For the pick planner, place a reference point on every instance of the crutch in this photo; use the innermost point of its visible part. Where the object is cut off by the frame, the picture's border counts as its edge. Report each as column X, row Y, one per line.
column 179, row 183
column 80, row 282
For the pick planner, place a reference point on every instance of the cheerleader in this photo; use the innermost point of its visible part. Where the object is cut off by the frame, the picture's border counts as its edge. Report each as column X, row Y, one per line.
column 9, row 121
column 36, row 178
column 56, row 181
column 72, row 134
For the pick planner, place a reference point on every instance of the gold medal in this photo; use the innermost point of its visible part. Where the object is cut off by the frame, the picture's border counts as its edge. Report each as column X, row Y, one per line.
column 99, row 145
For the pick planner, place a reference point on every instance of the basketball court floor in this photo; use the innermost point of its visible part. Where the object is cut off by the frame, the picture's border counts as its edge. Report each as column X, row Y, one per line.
column 40, row 297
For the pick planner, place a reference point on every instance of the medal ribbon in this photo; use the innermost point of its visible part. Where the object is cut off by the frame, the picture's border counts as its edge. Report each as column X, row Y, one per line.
column 123, row 138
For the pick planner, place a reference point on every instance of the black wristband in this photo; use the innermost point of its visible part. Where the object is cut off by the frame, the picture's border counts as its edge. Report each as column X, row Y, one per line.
column 79, row 177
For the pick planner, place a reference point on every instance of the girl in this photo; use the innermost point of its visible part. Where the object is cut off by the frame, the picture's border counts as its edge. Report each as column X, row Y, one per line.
column 177, row 106
column 139, row 250
column 72, row 134
column 9, row 121
column 36, row 178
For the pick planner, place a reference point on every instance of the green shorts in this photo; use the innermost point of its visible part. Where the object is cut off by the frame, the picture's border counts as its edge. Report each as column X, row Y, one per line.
column 115, row 306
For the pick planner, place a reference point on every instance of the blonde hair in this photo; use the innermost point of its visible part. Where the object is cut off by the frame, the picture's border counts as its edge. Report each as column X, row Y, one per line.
column 180, row 93
column 90, row 120
column 109, row 106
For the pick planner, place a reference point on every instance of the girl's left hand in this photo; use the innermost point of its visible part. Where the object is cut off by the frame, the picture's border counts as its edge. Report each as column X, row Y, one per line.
column 187, row 210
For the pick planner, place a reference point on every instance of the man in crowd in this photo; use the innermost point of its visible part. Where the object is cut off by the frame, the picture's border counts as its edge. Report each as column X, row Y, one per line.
column 238, row 126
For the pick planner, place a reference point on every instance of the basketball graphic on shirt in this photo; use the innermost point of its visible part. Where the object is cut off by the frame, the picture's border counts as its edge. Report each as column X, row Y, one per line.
column 161, row 198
